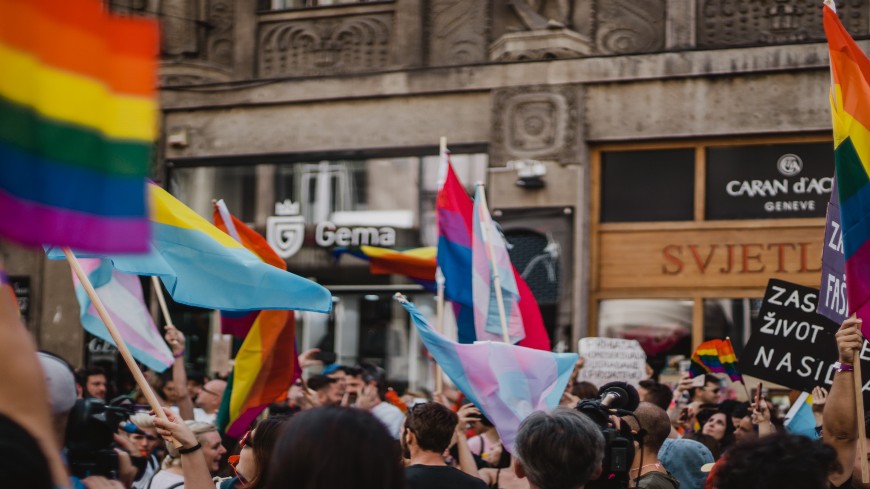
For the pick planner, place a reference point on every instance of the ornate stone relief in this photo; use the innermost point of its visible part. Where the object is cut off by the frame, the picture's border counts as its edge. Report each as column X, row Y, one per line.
column 537, row 122
column 457, row 31
column 322, row 46
column 752, row 22
column 630, row 26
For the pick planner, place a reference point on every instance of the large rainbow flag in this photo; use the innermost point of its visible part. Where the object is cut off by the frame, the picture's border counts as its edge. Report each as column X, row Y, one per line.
column 202, row 266
column 266, row 364
column 715, row 356
column 77, row 120
column 850, row 114
column 455, row 211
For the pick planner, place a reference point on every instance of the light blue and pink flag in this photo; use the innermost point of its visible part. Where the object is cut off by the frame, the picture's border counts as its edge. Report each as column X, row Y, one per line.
column 506, row 382
column 121, row 294
column 489, row 256
column 800, row 419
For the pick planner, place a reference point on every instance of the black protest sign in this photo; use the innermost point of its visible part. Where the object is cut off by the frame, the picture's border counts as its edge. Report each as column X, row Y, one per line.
column 791, row 344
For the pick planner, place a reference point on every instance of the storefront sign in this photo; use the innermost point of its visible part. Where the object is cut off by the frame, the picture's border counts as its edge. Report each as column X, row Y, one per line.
column 328, row 234
column 791, row 344
column 612, row 359
column 722, row 257
column 21, row 286
column 768, row 181
column 285, row 231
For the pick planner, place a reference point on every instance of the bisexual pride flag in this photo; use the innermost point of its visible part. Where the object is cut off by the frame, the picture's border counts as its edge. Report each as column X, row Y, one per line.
column 78, row 117
column 850, row 114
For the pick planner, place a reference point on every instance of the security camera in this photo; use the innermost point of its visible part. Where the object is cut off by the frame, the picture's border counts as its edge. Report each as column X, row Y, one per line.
column 530, row 173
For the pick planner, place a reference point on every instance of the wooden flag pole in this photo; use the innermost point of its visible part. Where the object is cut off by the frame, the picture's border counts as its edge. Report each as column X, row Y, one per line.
column 859, row 407
column 158, row 290
column 439, row 275
column 116, row 336
column 496, row 280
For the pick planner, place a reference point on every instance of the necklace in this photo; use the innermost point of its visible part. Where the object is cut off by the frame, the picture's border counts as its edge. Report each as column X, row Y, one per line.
column 657, row 465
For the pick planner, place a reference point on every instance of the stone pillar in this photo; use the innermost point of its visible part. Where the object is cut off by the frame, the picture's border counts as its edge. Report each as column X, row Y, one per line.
column 680, row 24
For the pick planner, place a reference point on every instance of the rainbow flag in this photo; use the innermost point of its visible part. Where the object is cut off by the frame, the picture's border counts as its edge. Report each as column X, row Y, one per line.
column 507, row 382
column 850, row 114
column 454, row 212
column 203, row 267
column 715, row 356
column 266, row 364
column 488, row 247
column 78, row 116
column 418, row 264
column 121, row 295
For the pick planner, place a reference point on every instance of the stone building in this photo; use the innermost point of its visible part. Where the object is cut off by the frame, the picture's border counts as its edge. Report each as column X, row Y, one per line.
column 619, row 141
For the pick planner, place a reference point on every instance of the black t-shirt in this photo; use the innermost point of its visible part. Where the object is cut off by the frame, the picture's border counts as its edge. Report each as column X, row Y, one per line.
column 440, row 477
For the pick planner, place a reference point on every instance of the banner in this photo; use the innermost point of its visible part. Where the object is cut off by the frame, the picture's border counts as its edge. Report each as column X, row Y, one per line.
column 791, row 344
column 832, row 300
column 612, row 359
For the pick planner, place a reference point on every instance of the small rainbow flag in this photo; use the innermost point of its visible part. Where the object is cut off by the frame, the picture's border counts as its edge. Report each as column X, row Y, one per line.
column 78, row 117
column 715, row 356
column 850, row 113
column 266, row 364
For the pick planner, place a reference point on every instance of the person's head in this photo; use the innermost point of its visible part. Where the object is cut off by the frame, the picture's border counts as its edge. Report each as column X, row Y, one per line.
column 212, row 449
column 799, row 463
column 482, row 425
column 654, row 424
column 338, row 372
column 145, row 437
column 429, row 427
column 195, row 380
column 374, row 376
column 562, row 449
column 353, row 381
column 326, row 388
column 331, row 447
column 658, row 394
column 584, row 390
column 93, row 381
column 683, row 458
column 744, row 430
column 708, row 393
column 256, row 448
column 706, row 440
column 62, row 394
column 720, row 427
column 210, row 395
column 169, row 393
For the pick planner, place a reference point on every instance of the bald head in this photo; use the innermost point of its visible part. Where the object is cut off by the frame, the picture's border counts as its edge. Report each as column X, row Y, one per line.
column 209, row 397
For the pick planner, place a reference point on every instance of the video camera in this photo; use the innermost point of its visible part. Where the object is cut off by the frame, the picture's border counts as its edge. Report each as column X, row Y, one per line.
column 89, row 436
column 620, row 399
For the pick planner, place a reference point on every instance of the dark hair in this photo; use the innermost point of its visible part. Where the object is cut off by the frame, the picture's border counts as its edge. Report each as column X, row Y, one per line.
column 319, row 382
column 727, row 440
column 584, row 390
column 83, row 373
column 330, row 447
column 799, row 463
column 22, row 461
column 196, row 376
column 656, row 393
column 432, row 424
column 263, row 442
column 708, row 379
column 655, row 423
column 561, row 449
column 372, row 373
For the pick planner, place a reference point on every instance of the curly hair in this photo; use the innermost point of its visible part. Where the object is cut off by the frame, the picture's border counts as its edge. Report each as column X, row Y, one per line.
column 778, row 460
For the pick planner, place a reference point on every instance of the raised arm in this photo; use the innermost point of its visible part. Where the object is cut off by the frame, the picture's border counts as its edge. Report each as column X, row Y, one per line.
column 176, row 341
column 839, row 416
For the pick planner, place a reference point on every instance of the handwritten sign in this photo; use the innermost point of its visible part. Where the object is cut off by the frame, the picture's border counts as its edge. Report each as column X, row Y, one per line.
column 611, row 360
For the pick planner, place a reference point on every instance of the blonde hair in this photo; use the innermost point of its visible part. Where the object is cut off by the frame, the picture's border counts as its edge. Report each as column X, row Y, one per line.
column 142, row 420
column 173, row 459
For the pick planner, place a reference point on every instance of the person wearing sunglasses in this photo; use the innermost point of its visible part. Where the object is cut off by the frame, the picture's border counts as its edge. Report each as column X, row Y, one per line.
column 255, row 449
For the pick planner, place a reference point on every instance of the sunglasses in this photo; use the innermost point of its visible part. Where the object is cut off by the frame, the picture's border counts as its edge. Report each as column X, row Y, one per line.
column 247, row 440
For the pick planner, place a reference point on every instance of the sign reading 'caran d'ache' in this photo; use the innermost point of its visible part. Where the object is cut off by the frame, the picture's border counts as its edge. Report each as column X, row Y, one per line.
column 791, row 344
column 612, row 359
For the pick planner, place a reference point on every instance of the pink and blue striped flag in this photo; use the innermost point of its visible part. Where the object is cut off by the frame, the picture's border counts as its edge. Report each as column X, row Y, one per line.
column 488, row 248
column 121, row 294
column 506, row 382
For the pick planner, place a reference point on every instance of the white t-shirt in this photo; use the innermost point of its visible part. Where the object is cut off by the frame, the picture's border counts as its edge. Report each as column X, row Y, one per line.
column 166, row 479
column 392, row 417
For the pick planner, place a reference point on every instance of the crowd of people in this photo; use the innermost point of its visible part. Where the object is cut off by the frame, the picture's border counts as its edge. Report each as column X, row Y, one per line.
column 344, row 428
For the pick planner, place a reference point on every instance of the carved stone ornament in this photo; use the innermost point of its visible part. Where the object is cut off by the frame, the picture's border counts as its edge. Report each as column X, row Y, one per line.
column 174, row 73
column 539, row 45
column 535, row 123
column 323, row 46
column 630, row 26
column 723, row 23
column 458, row 31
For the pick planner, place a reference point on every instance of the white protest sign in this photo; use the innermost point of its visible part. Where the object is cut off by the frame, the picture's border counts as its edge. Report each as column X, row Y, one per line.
column 612, row 359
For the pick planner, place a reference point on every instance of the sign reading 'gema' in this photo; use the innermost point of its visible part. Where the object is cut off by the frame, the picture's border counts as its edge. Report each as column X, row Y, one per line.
column 791, row 344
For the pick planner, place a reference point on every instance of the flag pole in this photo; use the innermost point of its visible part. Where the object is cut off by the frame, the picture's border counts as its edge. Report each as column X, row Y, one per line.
column 158, row 290
column 116, row 336
column 496, row 280
column 859, row 407
column 439, row 275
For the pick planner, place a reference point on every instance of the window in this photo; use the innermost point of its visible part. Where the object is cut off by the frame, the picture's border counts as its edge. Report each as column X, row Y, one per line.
column 650, row 185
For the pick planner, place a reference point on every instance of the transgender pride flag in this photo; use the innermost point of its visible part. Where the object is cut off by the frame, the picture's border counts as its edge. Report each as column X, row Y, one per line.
column 121, row 294
column 487, row 249
column 506, row 382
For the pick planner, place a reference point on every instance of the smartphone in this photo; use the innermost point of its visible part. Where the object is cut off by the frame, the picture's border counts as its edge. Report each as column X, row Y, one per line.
column 758, row 397
column 684, row 366
column 327, row 357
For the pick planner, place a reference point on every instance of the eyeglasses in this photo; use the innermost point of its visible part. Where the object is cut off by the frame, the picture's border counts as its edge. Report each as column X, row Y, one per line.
column 203, row 389
column 247, row 440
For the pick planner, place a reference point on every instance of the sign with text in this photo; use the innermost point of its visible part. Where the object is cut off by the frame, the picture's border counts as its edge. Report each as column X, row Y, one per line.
column 612, row 359
column 769, row 181
column 832, row 298
column 791, row 344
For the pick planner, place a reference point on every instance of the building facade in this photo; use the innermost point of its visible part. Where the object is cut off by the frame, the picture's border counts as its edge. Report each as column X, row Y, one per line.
column 653, row 162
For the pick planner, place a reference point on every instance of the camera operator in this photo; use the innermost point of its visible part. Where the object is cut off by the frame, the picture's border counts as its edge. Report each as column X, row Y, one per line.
column 651, row 427
column 562, row 449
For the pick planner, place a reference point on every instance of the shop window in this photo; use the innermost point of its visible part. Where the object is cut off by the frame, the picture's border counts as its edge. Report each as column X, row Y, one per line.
column 663, row 327
column 648, row 185
column 730, row 318
column 197, row 186
column 771, row 181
